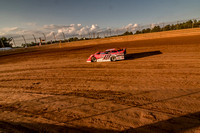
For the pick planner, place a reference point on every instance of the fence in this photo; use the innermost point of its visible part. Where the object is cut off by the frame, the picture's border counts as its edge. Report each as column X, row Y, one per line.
column 54, row 37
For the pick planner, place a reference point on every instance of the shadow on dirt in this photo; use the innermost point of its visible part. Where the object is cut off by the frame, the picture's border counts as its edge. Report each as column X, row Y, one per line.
column 175, row 125
column 136, row 106
column 21, row 127
column 141, row 55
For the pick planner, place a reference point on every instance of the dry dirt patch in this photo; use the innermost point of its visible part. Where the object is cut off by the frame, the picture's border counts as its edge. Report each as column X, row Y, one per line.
column 156, row 89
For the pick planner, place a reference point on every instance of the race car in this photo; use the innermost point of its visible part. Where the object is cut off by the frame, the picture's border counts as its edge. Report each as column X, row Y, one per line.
column 113, row 54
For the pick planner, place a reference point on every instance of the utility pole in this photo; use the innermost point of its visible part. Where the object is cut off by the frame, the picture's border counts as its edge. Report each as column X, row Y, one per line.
column 40, row 41
column 90, row 35
column 34, row 38
column 44, row 37
column 93, row 34
column 63, row 36
column 13, row 41
column 138, row 28
column 163, row 26
column 177, row 25
column 150, row 28
column 54, row 36
column 2, row 42
column 24, row 39
column 193, row 23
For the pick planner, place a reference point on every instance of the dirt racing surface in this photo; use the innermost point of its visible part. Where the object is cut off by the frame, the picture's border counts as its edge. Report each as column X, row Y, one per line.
column 53, row 89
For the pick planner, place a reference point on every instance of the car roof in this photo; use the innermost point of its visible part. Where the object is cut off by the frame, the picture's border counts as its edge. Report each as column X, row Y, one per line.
column 111, row 49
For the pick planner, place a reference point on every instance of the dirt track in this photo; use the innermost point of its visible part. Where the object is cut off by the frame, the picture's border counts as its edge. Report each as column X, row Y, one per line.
column 156, row 89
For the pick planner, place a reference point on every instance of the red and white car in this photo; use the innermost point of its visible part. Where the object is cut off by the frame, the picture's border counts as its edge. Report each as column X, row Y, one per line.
column 108, row 55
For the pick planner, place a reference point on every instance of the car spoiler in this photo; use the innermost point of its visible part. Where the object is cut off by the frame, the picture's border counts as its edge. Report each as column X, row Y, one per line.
column 124, row 50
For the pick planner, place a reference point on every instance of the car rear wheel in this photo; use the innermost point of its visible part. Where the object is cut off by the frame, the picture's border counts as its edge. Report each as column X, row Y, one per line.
column 93, row 59
column 113, row 58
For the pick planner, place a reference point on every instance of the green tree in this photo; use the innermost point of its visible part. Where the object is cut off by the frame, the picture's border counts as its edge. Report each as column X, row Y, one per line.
column 156, row 29
column 73, row 39
column 196, row 24
column 148, row 30
column 127, row 33
column 138, row 32
column 5, row 42
column 189, row 24
column 167, row 27
column 184, row 25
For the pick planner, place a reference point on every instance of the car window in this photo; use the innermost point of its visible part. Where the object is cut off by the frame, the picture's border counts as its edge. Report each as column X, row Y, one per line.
column 114, row 51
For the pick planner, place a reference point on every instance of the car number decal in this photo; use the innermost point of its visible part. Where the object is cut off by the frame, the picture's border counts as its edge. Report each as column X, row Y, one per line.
column 106, row 57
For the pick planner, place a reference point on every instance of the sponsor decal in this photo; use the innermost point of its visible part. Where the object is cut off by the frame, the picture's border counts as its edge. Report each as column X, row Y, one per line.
column 106, row 57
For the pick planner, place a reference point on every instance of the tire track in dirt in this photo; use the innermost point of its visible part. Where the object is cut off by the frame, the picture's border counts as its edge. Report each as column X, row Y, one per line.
column 141, row 107
column 116, row 98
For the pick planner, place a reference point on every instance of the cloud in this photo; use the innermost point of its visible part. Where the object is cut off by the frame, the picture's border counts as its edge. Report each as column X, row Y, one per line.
column 2, row 34
column 18, row 31
column 130, row 27
column 50, row 36
column 84, row 30
column 10, row 29
column 94, row 27
column 54, row 27
column 152, row 26
column 31, row 24
column 60, row 30
column 73, row 29
column 68, row 30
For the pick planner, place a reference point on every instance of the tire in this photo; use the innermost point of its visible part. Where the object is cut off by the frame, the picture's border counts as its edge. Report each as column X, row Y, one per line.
column 113, row 58
column 125, row 52
column 93, row 59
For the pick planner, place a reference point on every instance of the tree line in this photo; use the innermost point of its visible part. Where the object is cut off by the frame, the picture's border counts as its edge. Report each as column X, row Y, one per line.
column 5, row 42
column 184, row 25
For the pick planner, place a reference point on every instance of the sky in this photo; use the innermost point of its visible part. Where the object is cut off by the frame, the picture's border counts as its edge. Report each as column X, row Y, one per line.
column 77, row 17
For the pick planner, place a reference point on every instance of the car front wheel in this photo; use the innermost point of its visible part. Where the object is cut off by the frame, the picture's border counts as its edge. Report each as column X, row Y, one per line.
column 93, row 59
